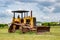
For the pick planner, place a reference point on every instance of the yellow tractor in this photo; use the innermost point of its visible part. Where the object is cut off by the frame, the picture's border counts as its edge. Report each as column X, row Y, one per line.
column 23, row 21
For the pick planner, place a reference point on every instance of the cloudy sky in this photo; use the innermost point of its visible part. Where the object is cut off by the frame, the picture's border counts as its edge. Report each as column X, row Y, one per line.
column 43, row 10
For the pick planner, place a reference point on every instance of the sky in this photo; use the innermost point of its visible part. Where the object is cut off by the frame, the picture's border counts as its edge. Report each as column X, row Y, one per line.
column 43, row 10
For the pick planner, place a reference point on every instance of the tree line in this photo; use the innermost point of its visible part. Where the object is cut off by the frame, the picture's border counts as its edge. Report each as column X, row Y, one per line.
column 50, row 23
column 3, row 25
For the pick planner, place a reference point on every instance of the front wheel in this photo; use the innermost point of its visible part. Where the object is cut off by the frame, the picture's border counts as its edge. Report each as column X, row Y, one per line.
column 11, row 28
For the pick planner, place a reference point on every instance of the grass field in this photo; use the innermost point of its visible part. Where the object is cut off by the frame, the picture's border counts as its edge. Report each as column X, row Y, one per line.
column 54, row 34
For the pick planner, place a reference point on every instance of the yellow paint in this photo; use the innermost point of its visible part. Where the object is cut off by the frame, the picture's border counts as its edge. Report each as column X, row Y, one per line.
column 31, row 21
column 16, row 20
column 25, row 18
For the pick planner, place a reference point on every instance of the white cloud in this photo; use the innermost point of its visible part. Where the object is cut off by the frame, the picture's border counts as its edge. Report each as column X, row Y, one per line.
column 57, row 4
column 52, row 0
column 48, row 9
column 5, row 20
column 8, row 10
column 46, row 17
column 45, row 0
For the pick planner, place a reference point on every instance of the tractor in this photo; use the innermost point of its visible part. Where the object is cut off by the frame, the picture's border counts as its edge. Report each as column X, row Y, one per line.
column 25, row 22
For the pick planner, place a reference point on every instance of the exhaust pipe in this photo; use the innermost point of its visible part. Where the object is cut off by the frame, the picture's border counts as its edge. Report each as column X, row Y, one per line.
column 31, row 13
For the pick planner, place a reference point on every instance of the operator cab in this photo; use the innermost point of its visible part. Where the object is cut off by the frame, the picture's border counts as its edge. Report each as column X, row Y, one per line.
column 23, row 18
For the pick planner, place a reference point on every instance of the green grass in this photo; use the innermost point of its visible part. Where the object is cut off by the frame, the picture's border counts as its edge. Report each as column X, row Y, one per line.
column 54, row 34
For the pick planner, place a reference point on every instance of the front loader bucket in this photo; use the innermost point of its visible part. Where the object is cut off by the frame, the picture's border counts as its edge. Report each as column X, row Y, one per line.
column 43, row 29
